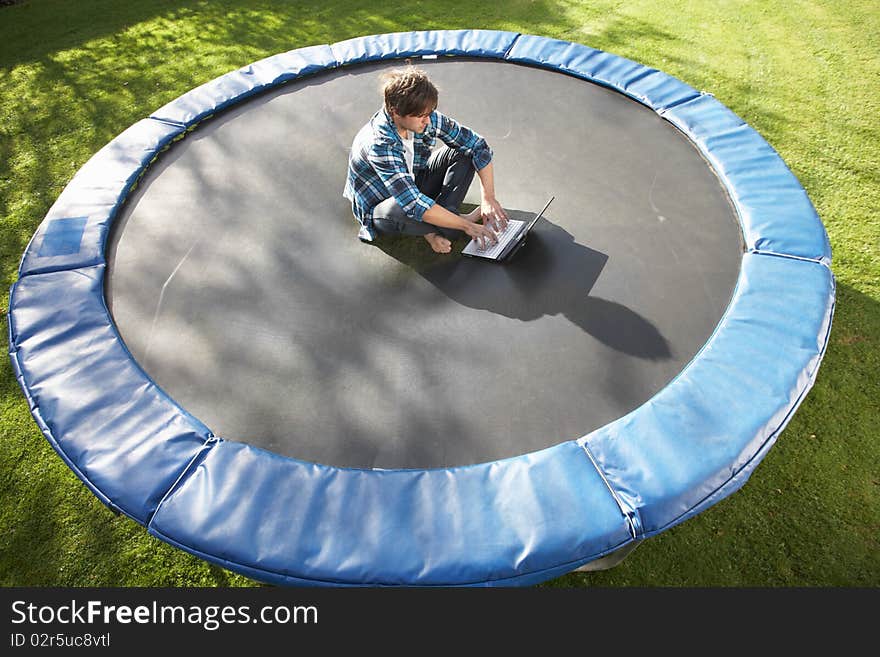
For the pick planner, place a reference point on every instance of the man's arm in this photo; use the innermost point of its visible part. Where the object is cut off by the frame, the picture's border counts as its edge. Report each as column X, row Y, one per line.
column 490, row 209
column 464, row 139
column 437, row 215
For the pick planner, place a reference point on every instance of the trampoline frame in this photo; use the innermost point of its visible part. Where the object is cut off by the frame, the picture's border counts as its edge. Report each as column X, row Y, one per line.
column 519, row 521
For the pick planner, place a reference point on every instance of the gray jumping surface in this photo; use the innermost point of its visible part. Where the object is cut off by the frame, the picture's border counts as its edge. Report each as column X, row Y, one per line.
column 237, row 281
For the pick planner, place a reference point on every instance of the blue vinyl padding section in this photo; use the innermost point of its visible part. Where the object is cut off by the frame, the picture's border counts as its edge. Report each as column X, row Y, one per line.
column 473, row 43
column 517, row 521
column 706, row 426
column 647, row 85
column 214, row 96
column 96, row 192
column 115, row 428
column 766, row 193
column 774, row 209
column 461, row 525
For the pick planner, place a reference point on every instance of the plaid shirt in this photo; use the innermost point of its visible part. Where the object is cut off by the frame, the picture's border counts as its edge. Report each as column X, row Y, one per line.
column 377, row 167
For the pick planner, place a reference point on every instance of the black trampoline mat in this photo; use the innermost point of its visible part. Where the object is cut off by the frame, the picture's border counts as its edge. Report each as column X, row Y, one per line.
column 237, row 281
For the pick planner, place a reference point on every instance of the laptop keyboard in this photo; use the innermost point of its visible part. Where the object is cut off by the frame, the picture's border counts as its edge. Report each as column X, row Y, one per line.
column 492, row 250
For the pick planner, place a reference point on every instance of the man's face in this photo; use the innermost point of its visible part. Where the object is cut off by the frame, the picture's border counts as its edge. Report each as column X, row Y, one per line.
column 412, row 122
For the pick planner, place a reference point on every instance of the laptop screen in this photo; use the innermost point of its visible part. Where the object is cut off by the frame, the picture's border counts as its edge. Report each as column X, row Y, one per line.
column 538, row 216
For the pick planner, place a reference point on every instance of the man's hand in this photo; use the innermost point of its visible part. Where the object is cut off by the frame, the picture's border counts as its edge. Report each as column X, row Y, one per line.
column 493, row 214
column 481, row 233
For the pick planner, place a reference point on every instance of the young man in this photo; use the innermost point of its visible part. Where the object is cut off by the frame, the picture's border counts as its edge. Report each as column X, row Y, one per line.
column 397, row 185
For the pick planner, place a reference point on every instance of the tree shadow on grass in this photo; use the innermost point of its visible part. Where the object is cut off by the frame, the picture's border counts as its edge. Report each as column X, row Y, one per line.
column 269, row 26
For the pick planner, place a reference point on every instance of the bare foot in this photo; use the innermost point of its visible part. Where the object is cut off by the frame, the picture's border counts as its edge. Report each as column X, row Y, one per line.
column 439, row 243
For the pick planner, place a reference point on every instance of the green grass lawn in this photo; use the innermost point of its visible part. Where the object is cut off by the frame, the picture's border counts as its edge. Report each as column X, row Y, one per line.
column 805, row 74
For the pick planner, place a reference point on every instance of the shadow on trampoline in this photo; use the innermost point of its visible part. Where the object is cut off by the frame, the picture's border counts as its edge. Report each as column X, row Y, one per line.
column 551, row 275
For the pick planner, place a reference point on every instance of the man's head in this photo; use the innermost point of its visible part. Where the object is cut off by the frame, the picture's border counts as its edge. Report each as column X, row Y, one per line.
column 408, row 93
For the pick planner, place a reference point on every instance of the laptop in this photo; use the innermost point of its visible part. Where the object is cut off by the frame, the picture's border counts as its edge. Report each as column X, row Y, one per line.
column 509, row 242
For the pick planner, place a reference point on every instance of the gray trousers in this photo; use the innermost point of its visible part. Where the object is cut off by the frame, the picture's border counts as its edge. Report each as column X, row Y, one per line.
column 446, row 179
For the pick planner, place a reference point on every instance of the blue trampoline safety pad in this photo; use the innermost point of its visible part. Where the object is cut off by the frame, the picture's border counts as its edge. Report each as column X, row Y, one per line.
column 517, row 521
column 702, row 435
column 118, row 431
column 471, row 525
column 95, row 194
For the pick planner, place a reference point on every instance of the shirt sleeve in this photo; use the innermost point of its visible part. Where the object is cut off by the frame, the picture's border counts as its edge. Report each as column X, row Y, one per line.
column 457, row 136
column 390, row 166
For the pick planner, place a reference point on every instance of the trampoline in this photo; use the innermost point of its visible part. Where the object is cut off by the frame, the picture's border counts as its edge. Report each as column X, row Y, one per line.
column 207, row 344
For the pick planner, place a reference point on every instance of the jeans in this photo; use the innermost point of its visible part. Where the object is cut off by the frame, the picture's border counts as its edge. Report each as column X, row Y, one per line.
column 446, row 179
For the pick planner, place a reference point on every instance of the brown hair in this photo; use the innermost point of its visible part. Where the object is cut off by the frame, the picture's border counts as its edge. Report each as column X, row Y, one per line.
column 409, row 91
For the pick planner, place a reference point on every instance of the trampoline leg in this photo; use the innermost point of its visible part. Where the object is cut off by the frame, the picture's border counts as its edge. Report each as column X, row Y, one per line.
column 609, row 560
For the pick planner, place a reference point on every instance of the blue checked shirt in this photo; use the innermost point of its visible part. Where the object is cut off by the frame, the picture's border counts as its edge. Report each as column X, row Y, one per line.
column 377, row 166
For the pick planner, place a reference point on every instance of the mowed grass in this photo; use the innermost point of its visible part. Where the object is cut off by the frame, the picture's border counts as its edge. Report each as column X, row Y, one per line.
column 806, row 75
